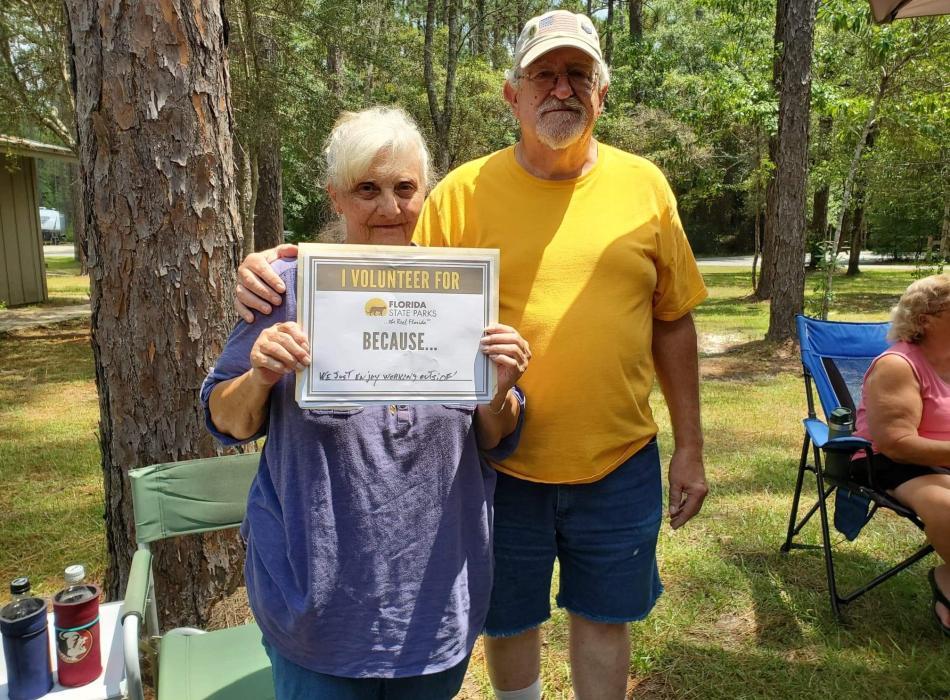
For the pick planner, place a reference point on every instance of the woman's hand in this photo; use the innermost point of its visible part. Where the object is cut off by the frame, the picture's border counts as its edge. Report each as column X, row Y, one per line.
column 279, row 350
column 510, row 353
column 258, row 286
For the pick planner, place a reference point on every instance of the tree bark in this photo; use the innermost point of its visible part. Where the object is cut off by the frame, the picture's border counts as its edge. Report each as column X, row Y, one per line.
column 769, row 254
column 635, row 19
column 945, row 225
column 269, row 202
column 441, row 116
column 791, row 170
column 79, row 219
column 857, row 234
column 154, row 123
column 480, row 47
column 609, row 33
column 858, row 227
column 819, row 223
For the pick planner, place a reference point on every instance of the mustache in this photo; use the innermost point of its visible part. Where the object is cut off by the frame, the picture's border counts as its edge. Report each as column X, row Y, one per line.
column 571, row 103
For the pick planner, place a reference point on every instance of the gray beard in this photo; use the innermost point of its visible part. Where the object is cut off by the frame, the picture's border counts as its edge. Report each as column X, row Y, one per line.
column 562, row 129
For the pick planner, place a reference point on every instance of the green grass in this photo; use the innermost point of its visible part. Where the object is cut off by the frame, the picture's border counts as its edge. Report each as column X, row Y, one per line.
column 51, row 503
column 738, row 619
column 64, row 283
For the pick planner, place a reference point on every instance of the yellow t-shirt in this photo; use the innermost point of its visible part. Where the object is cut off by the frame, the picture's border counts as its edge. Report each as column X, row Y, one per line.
column 586, row 265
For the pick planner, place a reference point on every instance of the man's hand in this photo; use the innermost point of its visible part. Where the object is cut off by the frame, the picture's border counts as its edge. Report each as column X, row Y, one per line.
column 688, row 486
column 507, row 349
column 258, row 285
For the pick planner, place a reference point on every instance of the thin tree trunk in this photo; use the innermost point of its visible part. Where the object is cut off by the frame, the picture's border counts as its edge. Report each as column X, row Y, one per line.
column 79, row 218
column 481, row 44
column 635, row 19
column 819, row 224
column 846, row 194
column 609, row 38
column 162, row 230
column 945, row 225
column 441, row 116
column 764, row 290
column 858, row 227
column 242, row 175
column 269, row 202
column 757, row 219
column 335, row 69
column 791, row 170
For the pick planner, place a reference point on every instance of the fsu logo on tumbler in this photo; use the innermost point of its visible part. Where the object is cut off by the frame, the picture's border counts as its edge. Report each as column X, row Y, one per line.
column 73, row 646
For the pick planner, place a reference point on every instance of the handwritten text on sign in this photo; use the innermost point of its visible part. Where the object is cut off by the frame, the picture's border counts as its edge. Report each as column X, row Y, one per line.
column 393, row 324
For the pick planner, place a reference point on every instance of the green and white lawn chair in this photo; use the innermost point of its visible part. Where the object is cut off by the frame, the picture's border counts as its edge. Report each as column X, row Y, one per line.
column 183, row 498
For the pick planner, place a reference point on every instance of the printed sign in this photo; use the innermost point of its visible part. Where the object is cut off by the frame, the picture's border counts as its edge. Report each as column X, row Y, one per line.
column 395, row 324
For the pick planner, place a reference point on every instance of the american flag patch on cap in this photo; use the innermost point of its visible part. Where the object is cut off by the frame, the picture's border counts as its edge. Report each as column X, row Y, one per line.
column 558, row 22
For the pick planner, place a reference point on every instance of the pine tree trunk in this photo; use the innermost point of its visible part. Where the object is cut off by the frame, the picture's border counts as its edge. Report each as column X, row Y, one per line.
column 635, row 19
column 791, row 170
column 79, row 219
column 154, row 123
column 609, row 33
column 764, row 289
column 945, row 226
column 819, row 224
column 269, row 203
column 857, row 234
column 441, row 115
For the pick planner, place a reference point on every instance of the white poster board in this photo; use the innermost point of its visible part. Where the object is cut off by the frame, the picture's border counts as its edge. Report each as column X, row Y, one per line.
column 395, row 324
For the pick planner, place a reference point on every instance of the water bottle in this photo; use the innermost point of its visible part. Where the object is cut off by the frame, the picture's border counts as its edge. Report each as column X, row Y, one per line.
column 838, row 463
column 26, row 643
column 76, row 620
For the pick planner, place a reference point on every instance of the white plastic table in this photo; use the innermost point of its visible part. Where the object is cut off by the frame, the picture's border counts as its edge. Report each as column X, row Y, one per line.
column 110, row 684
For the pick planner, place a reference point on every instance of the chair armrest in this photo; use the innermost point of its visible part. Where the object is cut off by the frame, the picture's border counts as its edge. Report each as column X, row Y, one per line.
column 130, row 648
column 136, row 592
column 846, row 444
column 132, row 616
column 818, row 432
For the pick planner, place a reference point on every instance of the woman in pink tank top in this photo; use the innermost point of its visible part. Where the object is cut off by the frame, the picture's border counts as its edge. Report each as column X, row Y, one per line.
column 905, row 413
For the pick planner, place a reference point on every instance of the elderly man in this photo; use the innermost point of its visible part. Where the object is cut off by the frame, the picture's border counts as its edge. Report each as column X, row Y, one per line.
column 599, row 277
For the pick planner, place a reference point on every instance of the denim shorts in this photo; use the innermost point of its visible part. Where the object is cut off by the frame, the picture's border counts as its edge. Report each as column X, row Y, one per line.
column 603, row 535
column 293, row 682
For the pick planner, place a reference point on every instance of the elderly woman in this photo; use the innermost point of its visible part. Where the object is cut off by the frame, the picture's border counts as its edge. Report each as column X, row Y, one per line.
column 368, row 528
column 905, row 413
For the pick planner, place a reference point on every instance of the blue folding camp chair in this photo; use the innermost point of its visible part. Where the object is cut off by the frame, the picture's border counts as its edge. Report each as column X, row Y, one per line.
column 835, row 357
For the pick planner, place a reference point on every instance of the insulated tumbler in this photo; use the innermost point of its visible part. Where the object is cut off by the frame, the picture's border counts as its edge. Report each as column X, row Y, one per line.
column 26, row 648
column 76, row 620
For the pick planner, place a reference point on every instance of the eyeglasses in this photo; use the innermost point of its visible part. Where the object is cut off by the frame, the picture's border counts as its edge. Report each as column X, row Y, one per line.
column 581, row 81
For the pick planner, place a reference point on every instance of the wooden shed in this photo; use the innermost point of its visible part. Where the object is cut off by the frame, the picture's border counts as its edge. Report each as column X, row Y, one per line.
column 22, row 270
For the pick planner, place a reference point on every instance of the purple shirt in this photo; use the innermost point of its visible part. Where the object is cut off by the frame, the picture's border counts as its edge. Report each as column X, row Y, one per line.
column 368, row 529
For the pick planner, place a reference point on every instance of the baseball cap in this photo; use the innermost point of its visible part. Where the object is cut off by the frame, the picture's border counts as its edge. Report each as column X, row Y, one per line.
column 554, row 30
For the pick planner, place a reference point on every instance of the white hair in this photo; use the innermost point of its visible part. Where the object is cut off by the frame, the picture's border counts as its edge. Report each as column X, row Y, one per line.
column 358, row 139
column 926, row 296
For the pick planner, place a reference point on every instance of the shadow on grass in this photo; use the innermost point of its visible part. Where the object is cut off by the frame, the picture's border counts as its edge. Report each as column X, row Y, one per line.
column 29, row 359
column 696, row 671
column 756, row 359
column 791, row 590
